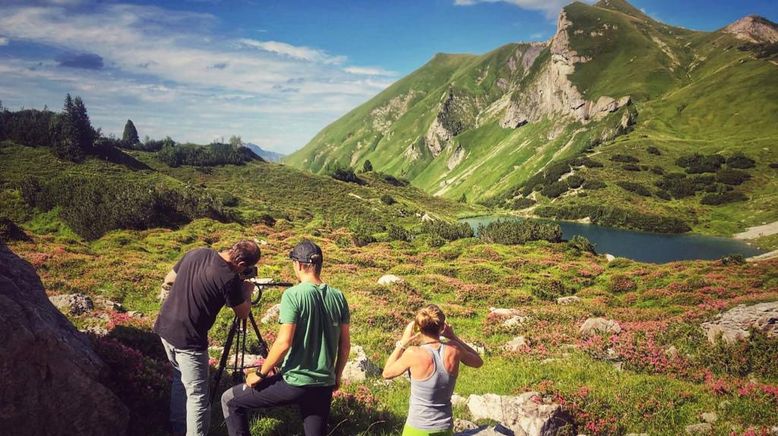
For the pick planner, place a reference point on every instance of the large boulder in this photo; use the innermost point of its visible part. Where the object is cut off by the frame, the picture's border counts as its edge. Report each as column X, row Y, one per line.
column 50, row 374
column 525, row 414
column 359, row 367
column 594, row 326
column 389, row 279
column 734, row 324
column 73, row 304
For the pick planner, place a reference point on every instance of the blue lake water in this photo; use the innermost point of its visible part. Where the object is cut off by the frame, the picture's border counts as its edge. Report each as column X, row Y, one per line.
column 643, row 246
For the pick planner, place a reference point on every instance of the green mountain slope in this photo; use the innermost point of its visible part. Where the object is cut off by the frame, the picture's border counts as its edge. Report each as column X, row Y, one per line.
column 612, row 81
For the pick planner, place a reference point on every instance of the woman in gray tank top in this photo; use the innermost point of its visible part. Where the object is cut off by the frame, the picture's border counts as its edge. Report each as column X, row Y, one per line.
column 434, row 367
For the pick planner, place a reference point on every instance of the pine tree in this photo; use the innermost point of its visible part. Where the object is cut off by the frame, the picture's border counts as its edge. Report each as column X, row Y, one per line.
column 367, row 166
column 63, row 130
column 130, row 135
column 84, row 133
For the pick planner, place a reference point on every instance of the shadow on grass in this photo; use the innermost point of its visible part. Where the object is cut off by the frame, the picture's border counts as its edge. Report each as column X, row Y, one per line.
column 114, row 155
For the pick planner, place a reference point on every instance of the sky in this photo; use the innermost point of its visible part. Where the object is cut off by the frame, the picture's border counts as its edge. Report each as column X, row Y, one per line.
column 273, row 72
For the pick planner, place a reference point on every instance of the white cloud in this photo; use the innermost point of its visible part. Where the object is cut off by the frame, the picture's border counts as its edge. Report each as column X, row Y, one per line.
column 177, row 81
column 293, row 51
column 550, row 7
column 3, row 40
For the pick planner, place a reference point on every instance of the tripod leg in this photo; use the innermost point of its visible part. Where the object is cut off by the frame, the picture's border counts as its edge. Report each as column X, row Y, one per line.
column 223, row 359
column 262, row 344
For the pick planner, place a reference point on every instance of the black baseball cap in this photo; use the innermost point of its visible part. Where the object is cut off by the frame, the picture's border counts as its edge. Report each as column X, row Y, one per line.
column 307, row 252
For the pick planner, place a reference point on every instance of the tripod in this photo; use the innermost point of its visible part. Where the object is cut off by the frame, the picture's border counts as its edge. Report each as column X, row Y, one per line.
column 237, row 335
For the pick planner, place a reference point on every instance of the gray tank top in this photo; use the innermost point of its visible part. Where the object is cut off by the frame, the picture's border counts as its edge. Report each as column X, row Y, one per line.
column 430, row 405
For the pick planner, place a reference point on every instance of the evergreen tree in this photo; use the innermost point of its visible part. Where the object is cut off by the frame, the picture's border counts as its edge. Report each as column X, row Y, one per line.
column 63, row 129
column 83, row 132
column 130, row 135
column 367, row 166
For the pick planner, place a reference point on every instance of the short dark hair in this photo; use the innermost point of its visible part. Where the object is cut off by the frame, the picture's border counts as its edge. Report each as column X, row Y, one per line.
column 245, row 251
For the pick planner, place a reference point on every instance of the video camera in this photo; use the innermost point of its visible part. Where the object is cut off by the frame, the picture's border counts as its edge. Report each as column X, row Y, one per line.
column 260, row 283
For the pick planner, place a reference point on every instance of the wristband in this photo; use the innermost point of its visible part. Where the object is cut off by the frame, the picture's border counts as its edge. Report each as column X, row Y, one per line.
column 399, row 344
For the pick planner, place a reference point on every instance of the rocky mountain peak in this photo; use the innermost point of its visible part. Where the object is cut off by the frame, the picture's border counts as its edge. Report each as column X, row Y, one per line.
column 755, row 29
column 620, row 6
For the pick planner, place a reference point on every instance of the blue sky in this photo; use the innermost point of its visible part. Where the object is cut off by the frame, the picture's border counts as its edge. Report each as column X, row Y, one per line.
column 274, row 72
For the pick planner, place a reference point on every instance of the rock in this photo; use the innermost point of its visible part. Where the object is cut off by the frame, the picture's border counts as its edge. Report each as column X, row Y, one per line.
column 461, row 425
column 9, row 231
column 709, row 417
column 568, row 300
column 493, row 430
column 74, row 304
column 599, row 325
column 609, row 257
column 478, row 348
column 51, row 375
column 514, row 321
column 271, row 314
column 516, row 345
column 458, row 400
column 135, row 314
column 500, row 312
column 524, row 414
column 702, row 428
column 426, row 218
column 390, row 279
column 734, row 324
column 753, row 29
column 360, row 367
column 672, row 352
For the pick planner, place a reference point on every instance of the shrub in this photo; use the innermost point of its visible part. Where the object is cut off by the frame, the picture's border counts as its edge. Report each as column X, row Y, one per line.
column 522, row 203
column 447, row 231
column 394, row 181
column 205, row 155
column 580, row 243
column 587, row 162
column 388, row 200
column 361, row 234
column 698, row 163
column 723, row 198
column 346, row 175
column 367, row 166
column 664, row 195
column 555, row 189
column 637, row 188
column 774, row 165
column 594, row 184
column 653, row 150
column 624, row 158
column 616, row 217
column 620, row 283
column 548, row 176
column 630, row 167
column 740, row 160
column 733, row 259
column 9, row 231
column 397, row 233
column 574, row 181
column 550, row 290
column 732, row 177
column 513, row 232
column 677, row 184
column 658, row 170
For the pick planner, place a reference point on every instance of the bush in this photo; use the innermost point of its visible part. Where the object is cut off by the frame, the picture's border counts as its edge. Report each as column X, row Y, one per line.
column 555, row 189
column 29, row 127
column 550, row 290
column 620, row 283
column 205, row 155
column 733, row 259
column 394, row 181
column 653, row 150
column 732, row 177
column 522, row 203
column 513, row 232
column 658, row 170
column 346, row 175
column 580, row 243
column 680, row 186
column 548, row 176
column 616, row 217
column 740, row 160
column 774, row 165
column 94, row 205
column 624, row 158
column 361, row 234
column 698, row 163
column 397, row 233
column 723, row 198
column 630, row 167
column 664, row 195
column 637, row 188
column 594, row 184
column 587, row 162
column 574, row 181
column 388, row 200
column 447, row 231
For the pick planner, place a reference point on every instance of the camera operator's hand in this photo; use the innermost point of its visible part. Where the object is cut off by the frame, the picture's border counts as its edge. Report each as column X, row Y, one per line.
column 248, row 290
column 448, row 332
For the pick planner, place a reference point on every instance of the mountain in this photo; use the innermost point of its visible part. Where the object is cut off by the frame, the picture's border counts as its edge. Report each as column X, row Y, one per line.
column 270, row 156
column 510, row 127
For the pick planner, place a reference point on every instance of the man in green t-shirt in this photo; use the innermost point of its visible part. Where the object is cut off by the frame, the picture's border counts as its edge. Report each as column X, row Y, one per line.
column 313, row 342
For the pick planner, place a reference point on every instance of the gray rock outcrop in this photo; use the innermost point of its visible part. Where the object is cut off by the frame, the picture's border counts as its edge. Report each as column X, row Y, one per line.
column 73, row 304
column 390, row 279
column 754, row 29
column 523, row 414
column 359, row 367
column 50, row 374
column 594, row 326
column 734, row 324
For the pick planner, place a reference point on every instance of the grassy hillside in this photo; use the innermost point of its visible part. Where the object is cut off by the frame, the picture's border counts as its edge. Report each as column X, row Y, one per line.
column 611, row 384
column 691, row 92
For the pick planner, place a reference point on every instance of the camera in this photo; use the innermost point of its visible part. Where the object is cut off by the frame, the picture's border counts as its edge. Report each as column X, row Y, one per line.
column 249, row 273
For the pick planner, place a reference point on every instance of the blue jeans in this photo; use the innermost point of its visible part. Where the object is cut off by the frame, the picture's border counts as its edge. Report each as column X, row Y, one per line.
column 189, row 408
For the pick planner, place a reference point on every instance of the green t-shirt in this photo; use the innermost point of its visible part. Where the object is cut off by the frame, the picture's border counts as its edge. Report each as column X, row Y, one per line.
column 318, row 311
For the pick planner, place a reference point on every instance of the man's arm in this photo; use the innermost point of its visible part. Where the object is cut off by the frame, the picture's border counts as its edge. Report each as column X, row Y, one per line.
column 167, row 285
column 277, row 352
column 242, row 310
column 344, row 348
